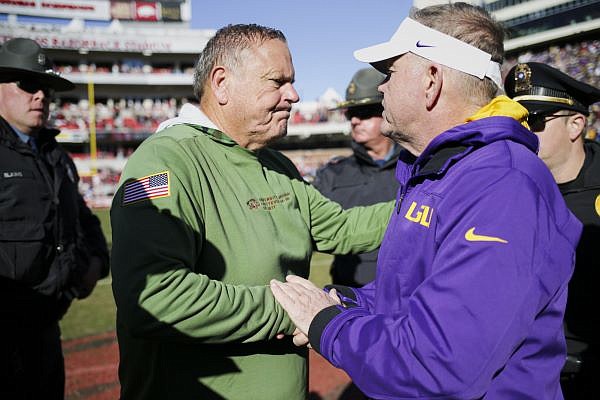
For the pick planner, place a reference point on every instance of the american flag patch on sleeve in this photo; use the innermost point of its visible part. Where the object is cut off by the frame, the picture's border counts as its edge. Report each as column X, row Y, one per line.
column 147, row 188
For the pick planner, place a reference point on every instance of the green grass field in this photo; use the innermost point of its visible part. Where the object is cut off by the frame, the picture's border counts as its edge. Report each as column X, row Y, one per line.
column 96, row 314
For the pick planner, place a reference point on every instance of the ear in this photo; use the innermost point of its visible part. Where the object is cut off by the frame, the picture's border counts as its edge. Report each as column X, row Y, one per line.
column 575, row 126
column 218, row 84
column 434, row 79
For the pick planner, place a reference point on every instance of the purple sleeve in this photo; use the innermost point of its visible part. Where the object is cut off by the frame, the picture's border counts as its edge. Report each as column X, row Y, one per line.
column 366, row 295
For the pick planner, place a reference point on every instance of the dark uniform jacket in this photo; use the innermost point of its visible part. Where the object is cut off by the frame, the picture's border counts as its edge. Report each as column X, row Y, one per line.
column 352, row 181
column 47, row 233
column 581, row 316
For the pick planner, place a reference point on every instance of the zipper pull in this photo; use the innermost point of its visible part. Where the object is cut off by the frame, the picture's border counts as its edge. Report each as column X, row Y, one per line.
column 399, row 203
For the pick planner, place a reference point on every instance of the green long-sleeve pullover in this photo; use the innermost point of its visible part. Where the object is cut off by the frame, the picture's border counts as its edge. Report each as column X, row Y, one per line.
column 192, row 259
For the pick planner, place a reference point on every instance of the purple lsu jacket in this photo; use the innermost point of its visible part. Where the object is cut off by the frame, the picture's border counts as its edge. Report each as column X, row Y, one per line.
column 471, row 280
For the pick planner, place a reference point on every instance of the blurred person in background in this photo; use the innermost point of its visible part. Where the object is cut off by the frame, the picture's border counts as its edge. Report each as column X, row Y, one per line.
column 205, row 215
column 473, row 270
column 367, row 176
column 558, row 107
column 51, row 245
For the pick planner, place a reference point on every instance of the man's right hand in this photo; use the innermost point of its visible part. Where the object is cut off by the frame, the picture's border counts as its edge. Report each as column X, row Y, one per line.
column 90, row 278
column 302, row 300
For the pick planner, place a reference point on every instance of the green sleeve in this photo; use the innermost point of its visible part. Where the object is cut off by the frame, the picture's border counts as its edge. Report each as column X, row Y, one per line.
column 158, row 284
column 355, row 230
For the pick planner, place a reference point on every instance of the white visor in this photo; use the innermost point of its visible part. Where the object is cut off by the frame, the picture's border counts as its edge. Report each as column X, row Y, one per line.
column 436, row 46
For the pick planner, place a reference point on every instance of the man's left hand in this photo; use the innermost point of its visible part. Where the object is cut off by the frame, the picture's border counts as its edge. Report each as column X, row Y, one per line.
column 301, row 299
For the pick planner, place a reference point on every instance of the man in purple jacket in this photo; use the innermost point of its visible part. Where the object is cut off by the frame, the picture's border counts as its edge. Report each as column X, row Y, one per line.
column 472, row 274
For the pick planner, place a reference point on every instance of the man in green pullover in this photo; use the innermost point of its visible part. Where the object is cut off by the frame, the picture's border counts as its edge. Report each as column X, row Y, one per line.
column 205, row 216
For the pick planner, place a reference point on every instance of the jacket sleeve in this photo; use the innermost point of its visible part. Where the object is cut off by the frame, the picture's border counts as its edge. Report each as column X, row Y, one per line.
column 323, row 181
column 475, row 308
column 159, row 287
column 93, row 237
column 89, row 229
column 339, row 231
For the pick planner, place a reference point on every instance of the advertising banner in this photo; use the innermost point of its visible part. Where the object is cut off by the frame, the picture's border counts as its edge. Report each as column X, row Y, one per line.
column 113, row 42
column 170, row 11
column 84, row 9
column 146, row 11
column 121, row 10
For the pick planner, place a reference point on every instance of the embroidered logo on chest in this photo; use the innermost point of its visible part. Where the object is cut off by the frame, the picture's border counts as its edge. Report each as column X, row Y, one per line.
column 268, row 203
column 421, row 216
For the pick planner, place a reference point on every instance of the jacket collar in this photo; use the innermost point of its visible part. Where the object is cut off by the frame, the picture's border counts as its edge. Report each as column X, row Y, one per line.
column 363, row 156
column 188, row 115
column 9, row 137
column 473, row 135
column 501, row 119
column 588, row 178
column 193, row 116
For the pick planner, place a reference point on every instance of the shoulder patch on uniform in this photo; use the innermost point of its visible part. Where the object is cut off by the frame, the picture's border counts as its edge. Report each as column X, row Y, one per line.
column 149, row 187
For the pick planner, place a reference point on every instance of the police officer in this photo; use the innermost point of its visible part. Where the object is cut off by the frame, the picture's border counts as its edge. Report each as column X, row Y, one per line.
column 51, row 246
column 367, row 176
column 558, row 106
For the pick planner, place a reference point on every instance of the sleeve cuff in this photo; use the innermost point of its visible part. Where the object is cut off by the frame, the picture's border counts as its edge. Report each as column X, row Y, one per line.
column 318, row 325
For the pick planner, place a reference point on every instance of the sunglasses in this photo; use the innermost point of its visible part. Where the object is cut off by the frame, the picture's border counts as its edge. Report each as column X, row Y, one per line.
column 537, row 121
column 363, row 112
column 32, row 87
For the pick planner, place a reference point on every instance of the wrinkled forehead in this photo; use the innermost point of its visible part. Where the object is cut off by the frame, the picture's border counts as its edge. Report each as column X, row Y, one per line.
column 272, row 58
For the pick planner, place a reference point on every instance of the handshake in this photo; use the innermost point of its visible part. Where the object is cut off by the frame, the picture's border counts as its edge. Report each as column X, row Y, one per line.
column 303, row 301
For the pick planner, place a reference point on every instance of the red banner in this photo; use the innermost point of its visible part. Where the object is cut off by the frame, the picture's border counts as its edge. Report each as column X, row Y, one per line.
column 146, row 11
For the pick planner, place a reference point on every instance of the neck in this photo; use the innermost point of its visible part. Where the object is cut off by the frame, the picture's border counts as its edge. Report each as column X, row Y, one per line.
column 25, row 130
column 214, row 112
column 378, row 151
column 440, row 119
column 568, row 170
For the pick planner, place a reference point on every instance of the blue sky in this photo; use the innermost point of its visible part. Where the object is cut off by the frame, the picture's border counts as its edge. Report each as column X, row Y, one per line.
column 322, row 34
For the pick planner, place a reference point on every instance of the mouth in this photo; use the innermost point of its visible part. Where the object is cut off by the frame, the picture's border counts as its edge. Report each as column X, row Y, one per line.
column 283, row 114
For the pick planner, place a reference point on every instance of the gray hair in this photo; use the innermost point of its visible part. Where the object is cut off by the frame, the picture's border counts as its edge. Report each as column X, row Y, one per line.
column 473, row 25
column 225, row 47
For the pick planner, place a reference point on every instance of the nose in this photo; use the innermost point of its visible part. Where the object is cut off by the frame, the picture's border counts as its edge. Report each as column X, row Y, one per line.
column 290, row 94
column 42, row 94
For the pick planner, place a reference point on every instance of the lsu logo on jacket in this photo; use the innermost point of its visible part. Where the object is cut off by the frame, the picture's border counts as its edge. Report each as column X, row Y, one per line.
column 421, row 216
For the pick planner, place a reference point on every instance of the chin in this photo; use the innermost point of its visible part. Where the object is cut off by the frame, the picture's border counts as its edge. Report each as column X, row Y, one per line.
column 282, row 128
column 279, row 135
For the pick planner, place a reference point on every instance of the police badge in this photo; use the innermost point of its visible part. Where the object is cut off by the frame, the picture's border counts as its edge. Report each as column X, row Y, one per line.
column 522, row 78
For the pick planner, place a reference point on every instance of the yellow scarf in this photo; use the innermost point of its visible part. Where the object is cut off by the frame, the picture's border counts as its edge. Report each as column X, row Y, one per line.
column 502, row 106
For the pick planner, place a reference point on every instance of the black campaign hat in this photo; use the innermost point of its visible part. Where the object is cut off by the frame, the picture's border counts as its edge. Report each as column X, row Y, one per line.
column 22, row 58
column 540, row 87
column 362, row 90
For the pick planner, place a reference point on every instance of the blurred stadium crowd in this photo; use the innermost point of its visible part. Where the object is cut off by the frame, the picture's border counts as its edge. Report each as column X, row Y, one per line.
column 581, row 60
